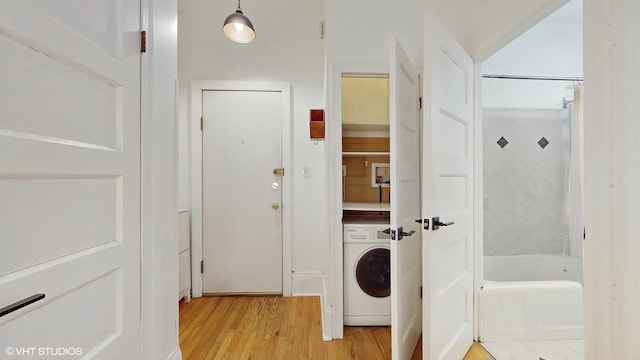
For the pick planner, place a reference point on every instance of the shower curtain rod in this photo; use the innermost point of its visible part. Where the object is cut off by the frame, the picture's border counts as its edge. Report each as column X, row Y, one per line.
column 518, row 77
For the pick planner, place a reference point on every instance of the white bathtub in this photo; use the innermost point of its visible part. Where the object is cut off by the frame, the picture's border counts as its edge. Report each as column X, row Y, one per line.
column 531, row 297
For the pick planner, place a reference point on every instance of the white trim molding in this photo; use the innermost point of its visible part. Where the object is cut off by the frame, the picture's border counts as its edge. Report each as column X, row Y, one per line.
column 478, row 211
column 312, row 283
column 334, row 299
column 159, row 182
column 175, row 355
column 197, row 86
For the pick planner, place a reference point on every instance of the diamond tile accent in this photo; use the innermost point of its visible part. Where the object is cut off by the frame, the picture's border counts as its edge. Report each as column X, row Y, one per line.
column 543, row 142
column 502, row 142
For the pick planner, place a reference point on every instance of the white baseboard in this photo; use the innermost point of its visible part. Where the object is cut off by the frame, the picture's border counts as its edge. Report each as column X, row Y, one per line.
column 176, row 354
column 308, row 283
column 312, row 283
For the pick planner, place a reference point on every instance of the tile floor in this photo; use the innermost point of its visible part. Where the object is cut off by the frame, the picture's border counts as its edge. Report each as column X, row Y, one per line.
column 537, row 350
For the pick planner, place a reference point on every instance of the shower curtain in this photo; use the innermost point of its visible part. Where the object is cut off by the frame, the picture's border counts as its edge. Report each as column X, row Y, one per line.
column 576, row 176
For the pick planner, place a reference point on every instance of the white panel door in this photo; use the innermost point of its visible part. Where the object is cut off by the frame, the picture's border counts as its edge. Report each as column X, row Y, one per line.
column 447, row 194
column 70, row 178
column 405, row 205
column 242, row 196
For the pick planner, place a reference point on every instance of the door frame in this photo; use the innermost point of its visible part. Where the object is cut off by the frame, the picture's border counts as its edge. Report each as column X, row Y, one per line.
column 478, row 210
column 335, row 276
column 197, row 87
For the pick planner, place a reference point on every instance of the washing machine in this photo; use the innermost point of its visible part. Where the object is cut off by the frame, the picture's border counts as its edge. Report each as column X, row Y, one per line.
column 367, row 275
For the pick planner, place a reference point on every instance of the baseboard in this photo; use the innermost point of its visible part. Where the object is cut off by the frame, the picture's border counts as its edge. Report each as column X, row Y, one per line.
column 176, row 354
column 312, row 283
column 308, row 283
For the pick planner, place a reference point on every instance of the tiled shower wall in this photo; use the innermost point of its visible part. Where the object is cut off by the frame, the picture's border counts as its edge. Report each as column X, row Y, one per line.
column 526, row 157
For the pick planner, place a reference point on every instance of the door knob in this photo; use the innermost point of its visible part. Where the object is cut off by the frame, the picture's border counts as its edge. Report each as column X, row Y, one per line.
column 20, row 304
column 402, row 234
column 278, row 171
column 275, row 206
column 437, row 223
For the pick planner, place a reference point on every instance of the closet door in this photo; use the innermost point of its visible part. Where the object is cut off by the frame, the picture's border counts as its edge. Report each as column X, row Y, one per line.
column 405, row 205
column 447, row 195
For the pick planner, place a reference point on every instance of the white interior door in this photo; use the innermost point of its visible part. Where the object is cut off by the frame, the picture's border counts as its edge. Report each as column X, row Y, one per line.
column 447, row 194
column 70, row 178
column 242, row 195
column 405, row 204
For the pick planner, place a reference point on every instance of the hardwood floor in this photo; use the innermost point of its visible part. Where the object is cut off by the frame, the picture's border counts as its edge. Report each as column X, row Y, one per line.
column 273, row 327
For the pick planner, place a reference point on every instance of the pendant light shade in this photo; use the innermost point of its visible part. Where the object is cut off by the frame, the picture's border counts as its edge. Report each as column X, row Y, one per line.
column 238, row 27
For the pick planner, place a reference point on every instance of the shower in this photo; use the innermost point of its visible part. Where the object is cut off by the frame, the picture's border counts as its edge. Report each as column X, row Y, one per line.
column 530, row 292
column 532, row 206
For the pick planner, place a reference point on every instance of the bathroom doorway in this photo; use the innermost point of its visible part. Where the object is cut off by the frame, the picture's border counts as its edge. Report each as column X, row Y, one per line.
column 532, row 193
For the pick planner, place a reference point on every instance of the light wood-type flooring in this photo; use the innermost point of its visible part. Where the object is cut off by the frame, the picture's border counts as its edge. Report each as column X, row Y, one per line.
column 273, row 327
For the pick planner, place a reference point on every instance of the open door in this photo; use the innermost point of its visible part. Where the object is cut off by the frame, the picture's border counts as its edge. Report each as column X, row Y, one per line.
column 70, row 179
column 447, row 195
column 405, row 205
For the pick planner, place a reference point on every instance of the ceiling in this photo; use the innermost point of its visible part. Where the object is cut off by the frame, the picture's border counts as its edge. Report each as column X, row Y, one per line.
column 483, row 26
column 294, row 7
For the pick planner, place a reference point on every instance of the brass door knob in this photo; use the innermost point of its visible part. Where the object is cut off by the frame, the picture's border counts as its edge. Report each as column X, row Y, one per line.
column 275, row 206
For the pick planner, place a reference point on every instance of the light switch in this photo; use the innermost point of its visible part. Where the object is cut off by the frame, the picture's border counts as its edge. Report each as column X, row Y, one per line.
column 306, row 172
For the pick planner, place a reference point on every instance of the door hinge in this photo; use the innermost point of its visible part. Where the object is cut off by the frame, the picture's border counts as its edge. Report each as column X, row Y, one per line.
column 393, row 234
column 321, row 29
column 201, row 266
column 420, row 292
column 201, row 123
column 143, row 41
column 420, row 103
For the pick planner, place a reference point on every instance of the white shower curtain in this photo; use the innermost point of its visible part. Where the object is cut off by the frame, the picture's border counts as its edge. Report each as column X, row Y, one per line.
column 576, row 176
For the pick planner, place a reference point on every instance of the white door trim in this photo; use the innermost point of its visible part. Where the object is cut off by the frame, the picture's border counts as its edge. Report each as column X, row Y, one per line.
column 334, row 280
column 197, row 86
column 478, row 211
column 159, row 109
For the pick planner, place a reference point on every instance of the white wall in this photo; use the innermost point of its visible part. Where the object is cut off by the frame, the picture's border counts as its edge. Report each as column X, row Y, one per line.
column 360, row 30
column 612, row 173
column 525, row 185
column 552, row 48
column 285, row 49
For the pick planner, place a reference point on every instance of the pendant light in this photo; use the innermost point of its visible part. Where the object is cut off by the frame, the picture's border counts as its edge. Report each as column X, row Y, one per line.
column 238, row 27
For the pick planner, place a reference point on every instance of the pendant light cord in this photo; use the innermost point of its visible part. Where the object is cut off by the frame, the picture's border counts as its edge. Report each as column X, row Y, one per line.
column 239, row 6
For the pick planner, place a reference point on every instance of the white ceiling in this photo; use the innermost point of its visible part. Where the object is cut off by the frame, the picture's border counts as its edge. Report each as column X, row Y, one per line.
column 484, row 26
column 296, row 7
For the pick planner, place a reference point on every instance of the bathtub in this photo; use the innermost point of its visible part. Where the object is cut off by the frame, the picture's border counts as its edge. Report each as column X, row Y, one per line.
column 531, row 297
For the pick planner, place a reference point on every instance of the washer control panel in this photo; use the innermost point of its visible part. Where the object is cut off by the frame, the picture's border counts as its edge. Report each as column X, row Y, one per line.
column 365, row 233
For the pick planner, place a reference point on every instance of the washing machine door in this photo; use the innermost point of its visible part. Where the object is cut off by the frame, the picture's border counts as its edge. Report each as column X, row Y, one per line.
column 373, row 272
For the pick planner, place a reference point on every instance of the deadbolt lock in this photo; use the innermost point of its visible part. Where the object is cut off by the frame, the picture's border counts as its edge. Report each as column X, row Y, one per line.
column 278, row 171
